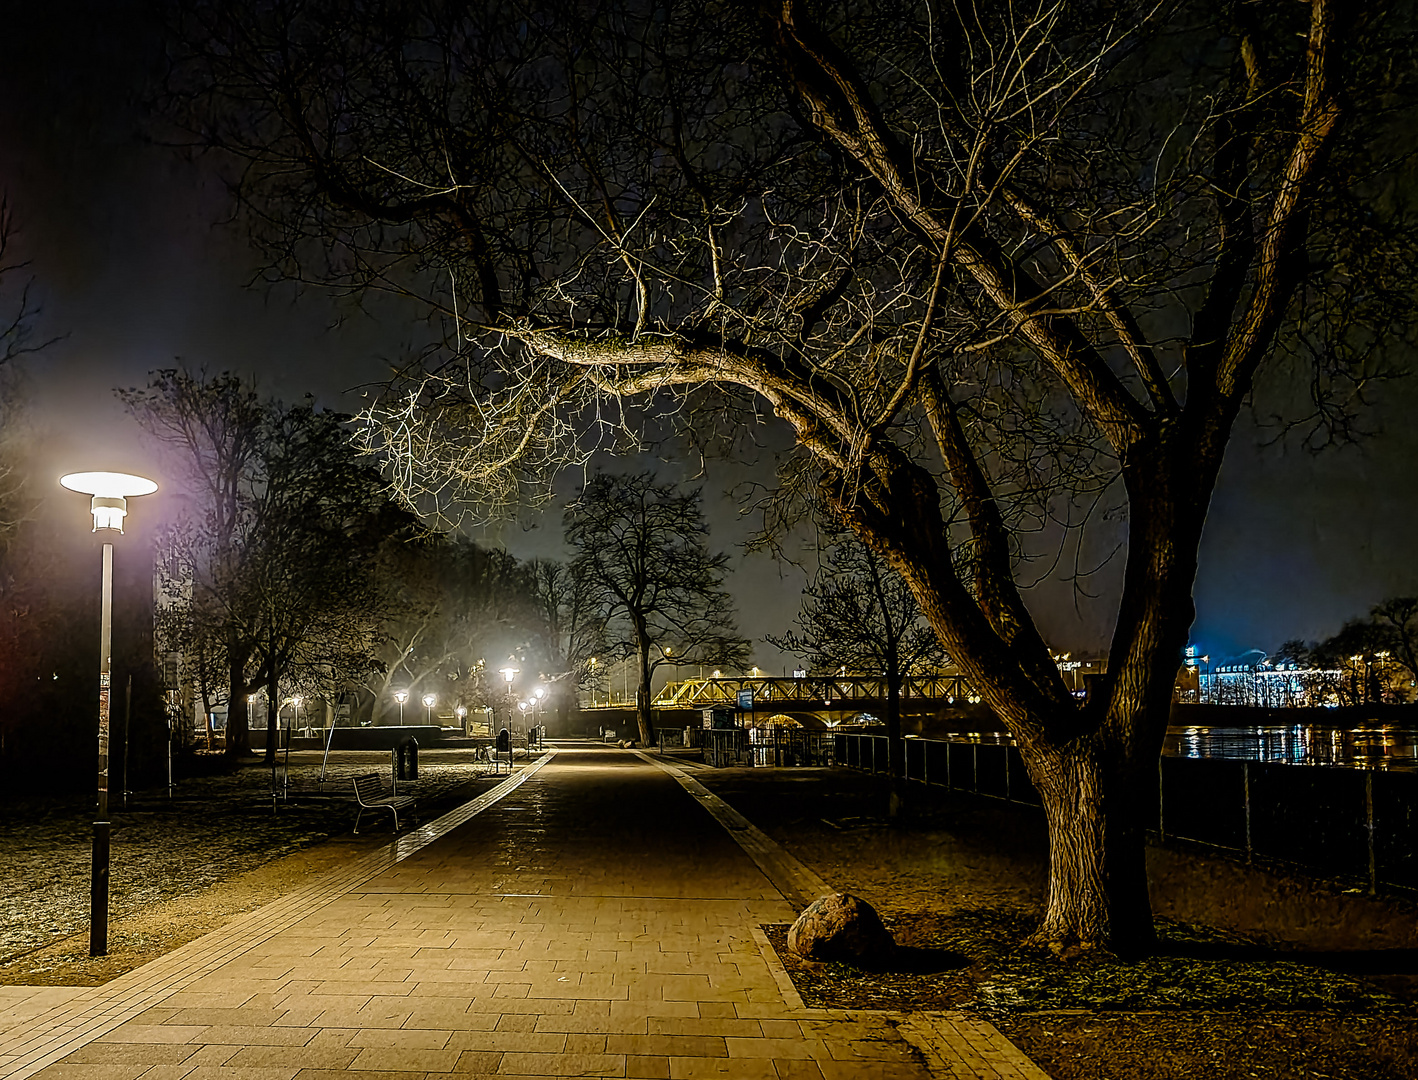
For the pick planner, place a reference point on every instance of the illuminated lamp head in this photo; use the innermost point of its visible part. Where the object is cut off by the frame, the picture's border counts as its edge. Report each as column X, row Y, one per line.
column 111, row 492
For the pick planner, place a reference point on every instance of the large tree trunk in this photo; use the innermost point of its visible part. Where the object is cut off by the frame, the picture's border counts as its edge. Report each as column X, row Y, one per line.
column 238, row 735
column 1094, row 797
column 273, row 717
column 643, row 718
column 895, row 748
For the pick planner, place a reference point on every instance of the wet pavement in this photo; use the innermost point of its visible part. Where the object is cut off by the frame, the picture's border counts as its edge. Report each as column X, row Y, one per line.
column 207, row 830
column 601, row 918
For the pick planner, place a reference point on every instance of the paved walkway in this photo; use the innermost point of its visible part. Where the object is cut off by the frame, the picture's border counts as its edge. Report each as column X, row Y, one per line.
column 586, row 918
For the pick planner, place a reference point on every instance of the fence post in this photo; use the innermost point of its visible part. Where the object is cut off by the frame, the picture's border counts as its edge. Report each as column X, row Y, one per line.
column 1369, row 815
column 1007, row 797
column 975, row 755
column 949, row 778
column 905, row 758
column 1246, row 782
column 1161, row 805
column 926, row 761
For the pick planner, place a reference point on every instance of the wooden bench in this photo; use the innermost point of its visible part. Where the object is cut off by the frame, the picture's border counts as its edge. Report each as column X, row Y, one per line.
column 369, row 793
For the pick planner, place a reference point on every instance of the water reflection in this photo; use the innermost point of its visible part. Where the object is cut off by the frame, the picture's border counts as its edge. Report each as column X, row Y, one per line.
column 1381, row 746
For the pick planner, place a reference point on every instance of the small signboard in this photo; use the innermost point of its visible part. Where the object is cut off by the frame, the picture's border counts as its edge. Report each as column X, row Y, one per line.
column 746, row 699
column 719, row 718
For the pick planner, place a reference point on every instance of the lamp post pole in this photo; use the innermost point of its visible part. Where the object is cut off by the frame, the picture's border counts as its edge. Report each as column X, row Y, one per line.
column 109, row 505
column 98, row 873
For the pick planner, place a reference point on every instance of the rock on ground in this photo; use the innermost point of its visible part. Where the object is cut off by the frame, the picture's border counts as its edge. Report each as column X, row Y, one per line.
column 840, row 926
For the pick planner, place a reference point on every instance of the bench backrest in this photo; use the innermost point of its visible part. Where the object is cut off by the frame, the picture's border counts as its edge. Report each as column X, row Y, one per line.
column 368, row 786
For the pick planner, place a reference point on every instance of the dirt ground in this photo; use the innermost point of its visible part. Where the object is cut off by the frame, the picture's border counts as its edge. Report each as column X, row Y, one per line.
column 1260, row 974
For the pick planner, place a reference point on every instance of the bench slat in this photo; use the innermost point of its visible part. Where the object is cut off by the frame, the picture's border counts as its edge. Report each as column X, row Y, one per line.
column 369, row 794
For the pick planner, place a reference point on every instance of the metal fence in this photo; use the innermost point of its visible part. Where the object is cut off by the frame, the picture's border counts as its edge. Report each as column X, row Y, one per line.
column 760, row 747
column 1340, row 822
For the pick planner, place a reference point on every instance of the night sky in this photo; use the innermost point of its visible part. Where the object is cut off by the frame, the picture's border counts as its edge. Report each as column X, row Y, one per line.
column 132, row 265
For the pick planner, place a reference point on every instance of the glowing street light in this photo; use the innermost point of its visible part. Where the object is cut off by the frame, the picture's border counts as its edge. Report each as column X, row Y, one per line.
column 428, row 703
column 462, row 713
column 109, row 493
column 401, row 696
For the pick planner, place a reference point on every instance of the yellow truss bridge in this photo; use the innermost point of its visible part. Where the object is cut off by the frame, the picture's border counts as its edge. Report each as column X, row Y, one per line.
column 814, row 692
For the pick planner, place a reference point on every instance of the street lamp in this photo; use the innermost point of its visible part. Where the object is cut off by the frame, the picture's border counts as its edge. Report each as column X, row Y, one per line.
column 401, row 696
column 462, row 713
column 109, row 505
column 428, row 702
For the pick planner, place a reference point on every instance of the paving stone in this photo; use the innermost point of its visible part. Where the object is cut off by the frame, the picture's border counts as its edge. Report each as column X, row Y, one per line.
column 597, row 921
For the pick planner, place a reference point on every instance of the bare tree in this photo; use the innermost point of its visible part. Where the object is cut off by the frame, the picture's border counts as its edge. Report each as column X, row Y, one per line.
column 1398, row 618
column 657, row 590
column 210, row 429
column 28, row 610
column 268, row 572
column 18, row 316
column 573, row 631
column 860, row 615
column 448, row 605
column 998, row 268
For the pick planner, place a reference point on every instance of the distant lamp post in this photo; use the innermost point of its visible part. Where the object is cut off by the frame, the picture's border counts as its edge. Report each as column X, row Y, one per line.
column 109, row 493
column 401, row 696
column 295, row 711
column 428, row 702
column 462, row 713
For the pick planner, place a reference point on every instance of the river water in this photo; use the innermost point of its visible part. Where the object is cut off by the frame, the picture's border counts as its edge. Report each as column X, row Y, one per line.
column 1376, row 746
column 1381, row 746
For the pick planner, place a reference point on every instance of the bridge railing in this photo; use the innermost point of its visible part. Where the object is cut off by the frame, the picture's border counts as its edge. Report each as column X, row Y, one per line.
column 816, row 690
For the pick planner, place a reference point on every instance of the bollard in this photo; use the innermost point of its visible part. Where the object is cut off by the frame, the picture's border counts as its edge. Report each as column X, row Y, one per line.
column 412, row 746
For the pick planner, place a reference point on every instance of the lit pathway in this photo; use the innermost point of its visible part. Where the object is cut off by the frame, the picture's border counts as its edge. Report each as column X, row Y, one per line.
column 587, row 918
